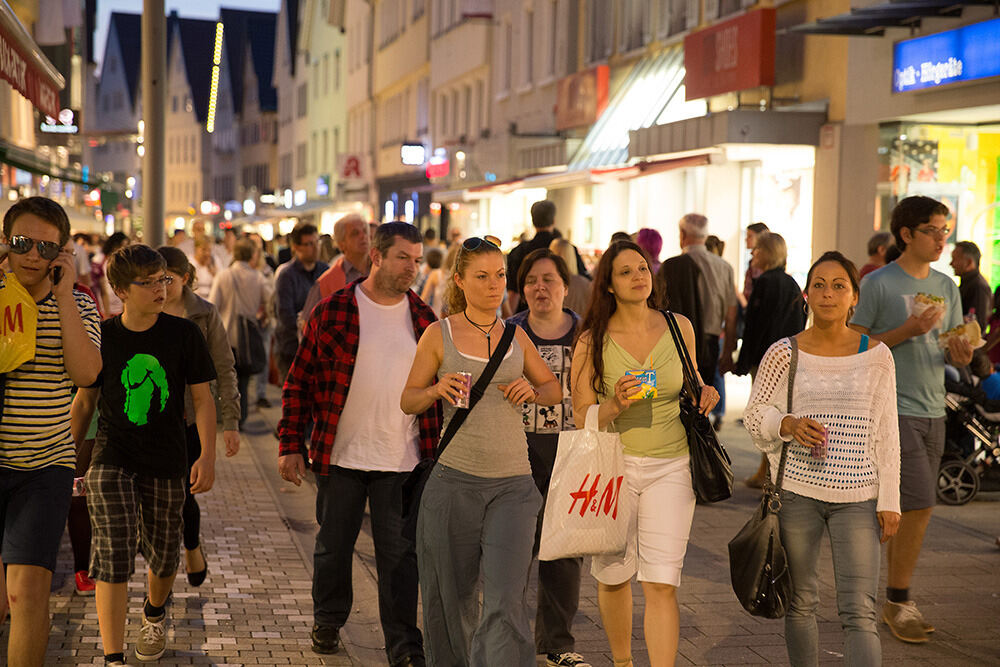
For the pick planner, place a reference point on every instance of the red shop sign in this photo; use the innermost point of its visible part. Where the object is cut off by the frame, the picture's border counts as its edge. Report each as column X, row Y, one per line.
column 23, row 74
column 730, row 56
column 582, row 97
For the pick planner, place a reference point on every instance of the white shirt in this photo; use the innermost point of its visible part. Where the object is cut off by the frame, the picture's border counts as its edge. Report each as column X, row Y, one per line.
column 373, row 433
column 855, row 398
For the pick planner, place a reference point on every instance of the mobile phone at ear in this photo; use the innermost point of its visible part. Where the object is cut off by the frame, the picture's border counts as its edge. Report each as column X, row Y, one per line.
column 56, row 274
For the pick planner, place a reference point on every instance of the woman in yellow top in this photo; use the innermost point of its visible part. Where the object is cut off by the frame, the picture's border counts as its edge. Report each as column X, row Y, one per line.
column 622, row 332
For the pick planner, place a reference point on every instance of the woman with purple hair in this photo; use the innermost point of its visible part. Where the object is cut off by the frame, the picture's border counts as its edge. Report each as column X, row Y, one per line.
column 650, row 240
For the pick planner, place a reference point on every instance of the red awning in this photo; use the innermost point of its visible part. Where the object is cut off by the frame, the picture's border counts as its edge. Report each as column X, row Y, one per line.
column 25, row 68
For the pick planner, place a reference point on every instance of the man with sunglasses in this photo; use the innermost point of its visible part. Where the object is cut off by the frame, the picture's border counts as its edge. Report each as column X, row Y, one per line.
column 37, row 456
column 906, row 304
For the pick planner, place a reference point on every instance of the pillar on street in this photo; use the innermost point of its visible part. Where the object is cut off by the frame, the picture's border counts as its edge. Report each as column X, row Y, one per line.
column 154, row 103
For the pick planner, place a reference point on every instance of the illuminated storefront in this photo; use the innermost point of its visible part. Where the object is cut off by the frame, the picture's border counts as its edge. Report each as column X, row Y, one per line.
column 956, row 164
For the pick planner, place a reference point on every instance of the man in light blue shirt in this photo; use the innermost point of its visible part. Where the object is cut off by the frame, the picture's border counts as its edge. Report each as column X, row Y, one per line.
column 907, row 304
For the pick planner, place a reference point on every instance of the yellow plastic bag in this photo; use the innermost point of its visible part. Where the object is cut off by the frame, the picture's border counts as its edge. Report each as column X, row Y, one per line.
column 18, row 322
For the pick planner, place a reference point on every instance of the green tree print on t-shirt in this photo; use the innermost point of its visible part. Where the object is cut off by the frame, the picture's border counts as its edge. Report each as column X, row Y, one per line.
column 141, row 376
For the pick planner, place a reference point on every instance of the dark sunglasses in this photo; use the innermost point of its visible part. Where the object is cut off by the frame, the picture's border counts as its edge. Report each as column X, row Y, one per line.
column 473, row 242
column 21, row 245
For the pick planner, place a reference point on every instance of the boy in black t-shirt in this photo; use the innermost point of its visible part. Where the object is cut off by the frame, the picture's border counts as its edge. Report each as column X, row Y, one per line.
column 135, row 485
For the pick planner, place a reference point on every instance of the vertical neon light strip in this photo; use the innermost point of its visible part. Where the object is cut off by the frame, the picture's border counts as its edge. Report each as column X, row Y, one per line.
column 214, row 92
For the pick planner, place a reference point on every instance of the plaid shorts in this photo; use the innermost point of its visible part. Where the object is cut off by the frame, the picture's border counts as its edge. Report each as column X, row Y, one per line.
column 127, row 510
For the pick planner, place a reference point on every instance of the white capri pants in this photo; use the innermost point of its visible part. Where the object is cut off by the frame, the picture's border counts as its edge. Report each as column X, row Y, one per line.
column 660, row 491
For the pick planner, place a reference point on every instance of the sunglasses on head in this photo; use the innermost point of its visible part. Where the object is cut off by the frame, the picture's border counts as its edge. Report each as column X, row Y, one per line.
column 473, row 242
column 21, row 245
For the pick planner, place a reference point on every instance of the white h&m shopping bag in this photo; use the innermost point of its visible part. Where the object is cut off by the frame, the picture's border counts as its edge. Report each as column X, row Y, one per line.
column 587, row 510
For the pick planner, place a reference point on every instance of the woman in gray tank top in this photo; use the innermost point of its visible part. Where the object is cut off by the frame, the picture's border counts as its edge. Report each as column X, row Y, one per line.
column 479, row 508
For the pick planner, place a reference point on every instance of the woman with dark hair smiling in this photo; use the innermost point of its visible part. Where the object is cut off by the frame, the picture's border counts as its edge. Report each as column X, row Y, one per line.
column 479, row 508
column 624, row 332
column 840, row 439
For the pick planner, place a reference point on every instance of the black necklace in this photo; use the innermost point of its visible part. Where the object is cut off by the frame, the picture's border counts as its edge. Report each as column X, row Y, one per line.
column 486, row 332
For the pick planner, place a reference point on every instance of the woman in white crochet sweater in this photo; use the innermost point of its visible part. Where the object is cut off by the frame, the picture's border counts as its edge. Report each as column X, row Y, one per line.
column 842, row 468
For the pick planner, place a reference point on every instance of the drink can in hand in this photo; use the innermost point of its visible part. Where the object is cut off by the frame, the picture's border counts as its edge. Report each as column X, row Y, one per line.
column 463, row 402
column 79, row 487
column 819, row 451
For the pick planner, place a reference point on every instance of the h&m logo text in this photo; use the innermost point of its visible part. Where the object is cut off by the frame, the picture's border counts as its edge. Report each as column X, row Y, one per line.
column 589, row 502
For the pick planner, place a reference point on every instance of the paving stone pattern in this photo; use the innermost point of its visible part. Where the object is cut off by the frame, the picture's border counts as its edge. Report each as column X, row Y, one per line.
column 255, row 607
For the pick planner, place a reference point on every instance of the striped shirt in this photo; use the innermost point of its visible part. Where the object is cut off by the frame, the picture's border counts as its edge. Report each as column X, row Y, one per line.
column 35, row 430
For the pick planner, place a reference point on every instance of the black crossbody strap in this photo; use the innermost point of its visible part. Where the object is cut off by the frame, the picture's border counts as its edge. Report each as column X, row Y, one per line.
column 792, row 366
column 478, row 389
column 689, row 374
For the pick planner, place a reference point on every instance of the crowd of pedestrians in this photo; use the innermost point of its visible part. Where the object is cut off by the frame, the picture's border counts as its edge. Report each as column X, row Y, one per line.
column 396, row 352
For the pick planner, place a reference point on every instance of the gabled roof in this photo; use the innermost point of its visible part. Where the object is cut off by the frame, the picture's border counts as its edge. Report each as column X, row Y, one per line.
column 253, row 33
column 127, row 28
column 197, row 42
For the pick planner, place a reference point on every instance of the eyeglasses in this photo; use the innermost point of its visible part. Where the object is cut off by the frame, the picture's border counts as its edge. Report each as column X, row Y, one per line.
column 473, row 242
column 21, row 245
column 939, row 233
column 155, row 284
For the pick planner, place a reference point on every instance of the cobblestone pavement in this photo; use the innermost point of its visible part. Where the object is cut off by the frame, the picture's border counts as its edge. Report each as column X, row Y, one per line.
column 255, row 607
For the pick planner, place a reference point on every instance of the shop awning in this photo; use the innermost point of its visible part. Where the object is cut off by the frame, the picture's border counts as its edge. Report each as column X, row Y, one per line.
column 652, row 92
column 873, row 20
column 28, row 161
column 24, row 67
column 727, row 127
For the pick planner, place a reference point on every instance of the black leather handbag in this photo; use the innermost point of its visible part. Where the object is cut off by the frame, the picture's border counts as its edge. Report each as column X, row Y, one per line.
column 758, row 564
column 413, row 485
column 711, row 468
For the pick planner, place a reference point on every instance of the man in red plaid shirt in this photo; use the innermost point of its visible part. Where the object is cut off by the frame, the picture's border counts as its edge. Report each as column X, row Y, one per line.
column 347, row 376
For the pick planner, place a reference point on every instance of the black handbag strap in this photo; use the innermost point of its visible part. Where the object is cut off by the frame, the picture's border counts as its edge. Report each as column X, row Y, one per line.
column 478, row 389
column 690, row 378
column 792, row 366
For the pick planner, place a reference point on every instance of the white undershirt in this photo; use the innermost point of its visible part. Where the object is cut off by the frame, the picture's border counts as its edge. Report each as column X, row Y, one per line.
column 373, row 433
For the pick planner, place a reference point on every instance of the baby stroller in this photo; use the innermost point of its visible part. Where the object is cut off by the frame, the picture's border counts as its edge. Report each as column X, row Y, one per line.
column 972, row 445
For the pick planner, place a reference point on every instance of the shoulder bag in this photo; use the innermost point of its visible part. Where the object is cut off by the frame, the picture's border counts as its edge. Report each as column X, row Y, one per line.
column 711, row 468
column 757, row 561
column 251, row 356
column 413, row 485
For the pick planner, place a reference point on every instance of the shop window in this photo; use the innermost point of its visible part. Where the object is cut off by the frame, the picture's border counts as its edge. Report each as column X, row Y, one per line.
column 553, row 48
column 528, row 46
column 634, row 20
column 959, row 165
column 600, row 19
column 300, row 161
column 303, row 100
column 507, row 56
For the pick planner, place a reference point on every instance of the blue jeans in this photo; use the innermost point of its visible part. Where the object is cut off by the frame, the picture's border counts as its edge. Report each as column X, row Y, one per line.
column 854, row 540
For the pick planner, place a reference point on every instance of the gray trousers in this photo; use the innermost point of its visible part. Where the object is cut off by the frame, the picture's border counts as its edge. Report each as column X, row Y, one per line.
column 470, row 526
column 558, row 580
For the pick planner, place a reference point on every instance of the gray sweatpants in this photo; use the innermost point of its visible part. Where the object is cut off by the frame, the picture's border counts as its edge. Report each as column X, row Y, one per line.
column 468, row 526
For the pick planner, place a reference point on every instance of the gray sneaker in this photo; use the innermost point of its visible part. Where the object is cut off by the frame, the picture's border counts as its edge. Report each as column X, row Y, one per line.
column 905, row 622
column 152, row 639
